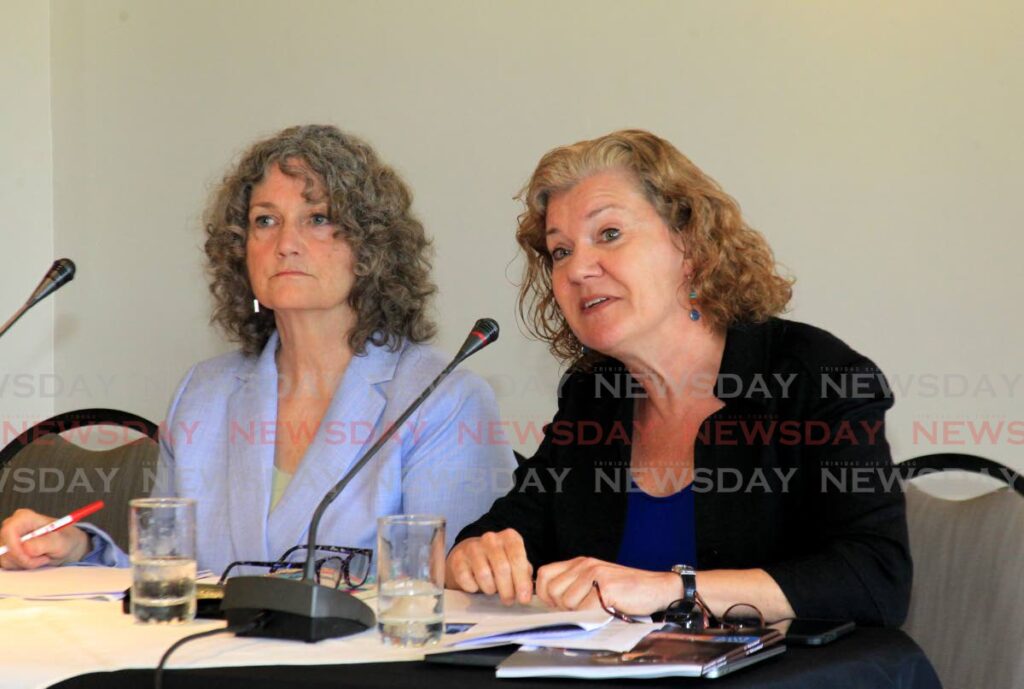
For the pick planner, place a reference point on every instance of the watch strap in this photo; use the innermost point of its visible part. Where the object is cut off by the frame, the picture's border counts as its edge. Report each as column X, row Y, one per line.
column 689, row 577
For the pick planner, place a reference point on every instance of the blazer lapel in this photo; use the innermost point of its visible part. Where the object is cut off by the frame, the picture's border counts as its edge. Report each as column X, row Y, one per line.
column 252, row 417
column 348, row 428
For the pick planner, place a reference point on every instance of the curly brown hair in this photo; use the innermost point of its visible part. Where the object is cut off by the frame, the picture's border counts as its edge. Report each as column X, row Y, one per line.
column 370, row 205
column 734, row 271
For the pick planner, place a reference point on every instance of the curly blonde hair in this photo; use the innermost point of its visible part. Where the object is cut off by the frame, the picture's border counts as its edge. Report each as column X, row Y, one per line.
column 370, row 205
column 734, row 271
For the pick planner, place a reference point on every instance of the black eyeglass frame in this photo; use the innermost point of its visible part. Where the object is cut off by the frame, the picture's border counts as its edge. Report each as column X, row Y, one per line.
column 611, row 610
column 695, row 616
column 343, row 559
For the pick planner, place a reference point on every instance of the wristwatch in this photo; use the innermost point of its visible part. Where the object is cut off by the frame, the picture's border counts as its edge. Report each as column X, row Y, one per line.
column 689, row 576
column 685, row 612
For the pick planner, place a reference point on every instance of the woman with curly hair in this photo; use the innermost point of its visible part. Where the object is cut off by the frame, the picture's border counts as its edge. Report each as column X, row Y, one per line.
column 321, row 273
column 702, row 448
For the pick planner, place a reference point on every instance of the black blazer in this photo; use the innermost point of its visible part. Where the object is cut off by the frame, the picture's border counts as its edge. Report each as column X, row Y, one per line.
column 793, row 475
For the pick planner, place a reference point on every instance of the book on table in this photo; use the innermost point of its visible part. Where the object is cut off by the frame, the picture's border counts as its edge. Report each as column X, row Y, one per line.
column 662, row 653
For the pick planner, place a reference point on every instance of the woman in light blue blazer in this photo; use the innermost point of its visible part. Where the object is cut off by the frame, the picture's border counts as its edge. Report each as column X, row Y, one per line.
column 320, row 272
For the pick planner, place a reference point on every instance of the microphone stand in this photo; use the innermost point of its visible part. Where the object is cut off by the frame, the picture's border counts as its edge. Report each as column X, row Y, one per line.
column 62, row 271
column 14, row 319
column 303, row 610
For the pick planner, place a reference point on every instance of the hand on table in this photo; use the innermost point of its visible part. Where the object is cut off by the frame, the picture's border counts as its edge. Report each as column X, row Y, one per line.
column 69, row 544
column 569, row 585
column 493, row 563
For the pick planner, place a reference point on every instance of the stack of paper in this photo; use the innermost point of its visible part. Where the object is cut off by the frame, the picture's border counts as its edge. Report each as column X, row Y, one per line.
column 66, row 583
column 588, row 629
column 505, row 630
column 69, row 583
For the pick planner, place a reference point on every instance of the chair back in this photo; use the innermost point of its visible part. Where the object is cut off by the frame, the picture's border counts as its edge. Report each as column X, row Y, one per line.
column 967, row 604
column 48, row 470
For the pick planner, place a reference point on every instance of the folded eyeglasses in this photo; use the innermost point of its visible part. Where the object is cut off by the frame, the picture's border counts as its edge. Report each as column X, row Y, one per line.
column 334, row 565
column 695, row 616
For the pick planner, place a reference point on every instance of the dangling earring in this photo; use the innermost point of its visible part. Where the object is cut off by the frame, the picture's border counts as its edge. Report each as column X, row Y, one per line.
column 255, row 305
column 694, row 313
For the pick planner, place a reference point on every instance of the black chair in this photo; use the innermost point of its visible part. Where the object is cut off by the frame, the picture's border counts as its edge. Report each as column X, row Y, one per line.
column 42, row 469
column 967, row 604
column 951, row 461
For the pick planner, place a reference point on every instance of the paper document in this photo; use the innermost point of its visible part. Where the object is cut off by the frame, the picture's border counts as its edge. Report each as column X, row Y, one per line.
column 70, row 582
column 65, row 583
column 614, row 636
column 460, row 606
column 492, row 623
column 510, row 628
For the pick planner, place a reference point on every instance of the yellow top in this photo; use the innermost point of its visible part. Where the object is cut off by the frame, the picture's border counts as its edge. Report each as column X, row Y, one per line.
column 277, row 488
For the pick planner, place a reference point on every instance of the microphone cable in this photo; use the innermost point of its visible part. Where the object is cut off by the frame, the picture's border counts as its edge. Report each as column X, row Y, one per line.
column 240, row 629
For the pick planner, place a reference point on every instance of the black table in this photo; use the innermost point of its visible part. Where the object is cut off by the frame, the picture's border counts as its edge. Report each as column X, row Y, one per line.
column 866, row 659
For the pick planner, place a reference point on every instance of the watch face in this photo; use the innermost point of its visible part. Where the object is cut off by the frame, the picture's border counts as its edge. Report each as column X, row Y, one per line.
column 692, row 620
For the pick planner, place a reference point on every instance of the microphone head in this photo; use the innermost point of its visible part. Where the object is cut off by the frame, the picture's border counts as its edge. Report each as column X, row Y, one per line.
column 486, row 329
column 60, row 273
column 484, row 332
column 64, row 269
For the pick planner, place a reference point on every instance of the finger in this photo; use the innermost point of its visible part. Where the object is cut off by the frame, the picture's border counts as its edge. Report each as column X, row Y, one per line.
column 60, row 547
column 13, row 528
column 580, row 593
column 23, row 555
column 545, row 575
column 578, row 573
column 459, row 572
column 501, row 568
column 18, row 558
column 481, row 569
column 522, row 571
column 48, row 545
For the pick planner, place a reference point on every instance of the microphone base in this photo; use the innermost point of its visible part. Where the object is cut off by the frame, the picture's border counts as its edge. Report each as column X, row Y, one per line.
column 298, row 609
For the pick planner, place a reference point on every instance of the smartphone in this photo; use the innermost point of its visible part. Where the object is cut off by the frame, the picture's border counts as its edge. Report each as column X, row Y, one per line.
column 810, row 632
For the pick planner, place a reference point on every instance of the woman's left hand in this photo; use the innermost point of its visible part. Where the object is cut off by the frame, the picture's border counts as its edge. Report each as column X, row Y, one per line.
column 569, row 585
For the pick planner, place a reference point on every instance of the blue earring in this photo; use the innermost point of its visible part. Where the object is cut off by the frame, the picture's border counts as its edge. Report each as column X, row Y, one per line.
column 694, row 313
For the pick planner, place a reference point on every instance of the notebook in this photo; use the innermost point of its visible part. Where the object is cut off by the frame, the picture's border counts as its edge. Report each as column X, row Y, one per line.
column 659, row 654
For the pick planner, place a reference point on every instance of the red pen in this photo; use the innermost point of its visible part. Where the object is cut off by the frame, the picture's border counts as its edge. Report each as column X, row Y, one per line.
column 76, row 516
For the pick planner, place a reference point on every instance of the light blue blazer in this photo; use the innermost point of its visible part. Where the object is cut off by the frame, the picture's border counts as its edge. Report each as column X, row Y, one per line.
column 219, row 449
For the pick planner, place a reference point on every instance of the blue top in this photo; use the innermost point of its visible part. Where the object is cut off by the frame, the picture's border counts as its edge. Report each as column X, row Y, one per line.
column 659, row 532
column 218, row 447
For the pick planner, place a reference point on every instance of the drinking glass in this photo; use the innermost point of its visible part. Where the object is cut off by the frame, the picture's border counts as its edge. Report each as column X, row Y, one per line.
column 162, row 546
column 410, row 579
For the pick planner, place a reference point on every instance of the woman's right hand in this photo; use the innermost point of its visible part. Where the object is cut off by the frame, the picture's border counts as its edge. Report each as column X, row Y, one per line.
column 493, row 563
column 69, row 544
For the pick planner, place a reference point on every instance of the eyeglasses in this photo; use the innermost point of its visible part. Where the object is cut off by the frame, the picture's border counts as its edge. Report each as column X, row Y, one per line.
column 612, row 611
column 693, row 617
column 333, row 565
column 698, row 616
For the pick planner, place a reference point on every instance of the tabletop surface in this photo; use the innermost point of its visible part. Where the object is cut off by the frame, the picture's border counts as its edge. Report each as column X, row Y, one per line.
column 867, row 658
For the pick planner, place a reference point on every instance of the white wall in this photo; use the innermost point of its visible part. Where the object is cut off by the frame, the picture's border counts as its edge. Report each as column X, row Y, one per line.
column 27, row 381
column 876, row 144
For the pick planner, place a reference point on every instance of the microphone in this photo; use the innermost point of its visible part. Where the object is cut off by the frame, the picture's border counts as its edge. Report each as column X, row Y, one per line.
column 484, row 332
column 302, row 609
column 60, row 273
